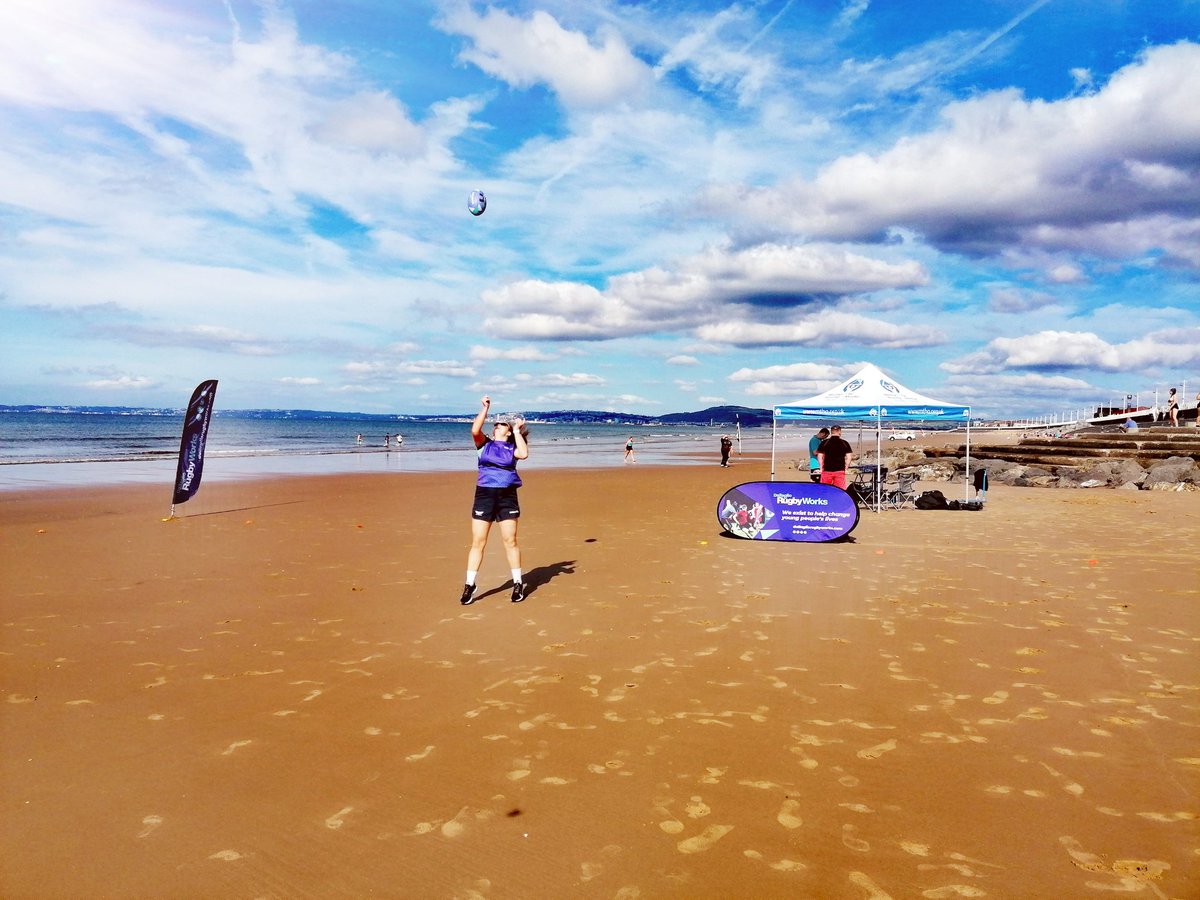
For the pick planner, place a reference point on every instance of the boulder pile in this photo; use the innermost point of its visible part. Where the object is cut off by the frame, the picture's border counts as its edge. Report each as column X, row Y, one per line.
column 1154, row 460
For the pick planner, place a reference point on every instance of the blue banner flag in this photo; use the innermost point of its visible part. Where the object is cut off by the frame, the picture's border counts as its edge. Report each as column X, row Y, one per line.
column 191, row 445
column 787, row 511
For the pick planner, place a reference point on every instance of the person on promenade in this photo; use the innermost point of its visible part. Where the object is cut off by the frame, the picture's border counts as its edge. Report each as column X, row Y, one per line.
column 814, row 464
column 496, row 497
column 629, row 456
column 1173, row 408
column 726, row 446
column 834, row 456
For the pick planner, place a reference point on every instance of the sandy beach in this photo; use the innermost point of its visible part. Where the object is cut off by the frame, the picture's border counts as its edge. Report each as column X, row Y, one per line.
column 276, row 694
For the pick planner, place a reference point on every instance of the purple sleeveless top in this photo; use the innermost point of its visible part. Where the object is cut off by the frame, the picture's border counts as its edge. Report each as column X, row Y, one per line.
column 498, row 465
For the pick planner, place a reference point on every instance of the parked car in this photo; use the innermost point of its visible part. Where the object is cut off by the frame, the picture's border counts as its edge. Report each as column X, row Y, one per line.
column 902, row 435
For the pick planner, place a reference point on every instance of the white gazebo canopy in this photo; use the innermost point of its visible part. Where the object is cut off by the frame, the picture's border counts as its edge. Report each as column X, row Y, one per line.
column 870, row 396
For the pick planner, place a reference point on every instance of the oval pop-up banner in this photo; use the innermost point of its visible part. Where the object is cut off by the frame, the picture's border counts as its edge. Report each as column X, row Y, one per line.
column 787, row 511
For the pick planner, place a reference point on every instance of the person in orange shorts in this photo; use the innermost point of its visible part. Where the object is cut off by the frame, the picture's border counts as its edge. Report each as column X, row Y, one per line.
column 834, row 456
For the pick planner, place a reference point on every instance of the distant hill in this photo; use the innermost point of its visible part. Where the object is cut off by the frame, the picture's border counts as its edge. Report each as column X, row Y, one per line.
column 720, row 415
column 715, row 415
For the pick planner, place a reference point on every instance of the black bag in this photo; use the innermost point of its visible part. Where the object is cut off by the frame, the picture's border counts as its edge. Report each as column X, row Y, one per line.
column 931, row 500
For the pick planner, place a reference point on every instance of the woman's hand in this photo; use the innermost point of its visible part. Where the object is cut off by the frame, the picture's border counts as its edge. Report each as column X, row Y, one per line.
column 486, row 401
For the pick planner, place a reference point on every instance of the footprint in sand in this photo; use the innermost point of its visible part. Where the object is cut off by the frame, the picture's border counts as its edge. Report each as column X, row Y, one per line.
column 151, row 822
column 227, row 855
column 670, row 824
column 228, row 751
column 953, row 890
column 697, row 808
column 853, row 842
column 336, row 821
column 705, row 840
column 874, row 891
column 413, row 757
column 789, row 814
column 878, row 750
column 454, row 828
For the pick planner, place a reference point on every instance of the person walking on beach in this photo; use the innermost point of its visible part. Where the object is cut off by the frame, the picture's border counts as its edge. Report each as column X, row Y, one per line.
column 496, row 497
column 814, row 464
column 629, row 457
column 1173, row 408
column 726, row 446
column 834, row 456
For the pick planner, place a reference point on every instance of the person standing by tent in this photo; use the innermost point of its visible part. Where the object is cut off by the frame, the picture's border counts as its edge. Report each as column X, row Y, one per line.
column 834, row 456
column 814, row 464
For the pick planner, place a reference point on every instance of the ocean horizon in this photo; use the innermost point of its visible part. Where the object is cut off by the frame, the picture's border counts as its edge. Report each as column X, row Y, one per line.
column 50, row 448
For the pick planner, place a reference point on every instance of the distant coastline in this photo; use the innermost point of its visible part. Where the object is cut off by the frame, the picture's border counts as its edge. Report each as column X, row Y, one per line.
column 747, row 417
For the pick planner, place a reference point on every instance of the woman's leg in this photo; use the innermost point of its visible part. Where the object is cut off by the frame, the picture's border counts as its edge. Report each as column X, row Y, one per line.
column 508, row 532
column 479, row 538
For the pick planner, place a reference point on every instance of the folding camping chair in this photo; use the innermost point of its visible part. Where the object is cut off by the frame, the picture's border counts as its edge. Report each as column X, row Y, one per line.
column 902, row 492
column 866, row 489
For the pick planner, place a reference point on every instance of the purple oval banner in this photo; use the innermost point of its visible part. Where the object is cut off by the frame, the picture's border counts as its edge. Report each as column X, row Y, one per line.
column 787, row 511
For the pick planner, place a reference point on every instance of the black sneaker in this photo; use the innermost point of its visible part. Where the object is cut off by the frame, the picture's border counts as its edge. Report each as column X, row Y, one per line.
column 518, row 593
column 468, row 595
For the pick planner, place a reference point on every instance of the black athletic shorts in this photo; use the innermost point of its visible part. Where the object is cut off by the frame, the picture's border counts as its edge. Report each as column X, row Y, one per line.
column 495, row 504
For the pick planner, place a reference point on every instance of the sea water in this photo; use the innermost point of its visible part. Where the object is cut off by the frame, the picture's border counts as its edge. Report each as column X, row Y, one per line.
column 46, row 449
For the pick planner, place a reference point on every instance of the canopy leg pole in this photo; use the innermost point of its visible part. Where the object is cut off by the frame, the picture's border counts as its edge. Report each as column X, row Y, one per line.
column 772, row 448
column 878, row 459
column 967, row 473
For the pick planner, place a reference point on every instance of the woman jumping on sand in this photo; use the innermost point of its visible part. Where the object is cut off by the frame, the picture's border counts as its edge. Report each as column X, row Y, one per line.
column 496, row 497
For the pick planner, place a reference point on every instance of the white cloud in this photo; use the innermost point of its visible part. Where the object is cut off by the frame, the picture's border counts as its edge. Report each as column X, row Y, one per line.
column 538, row 50
column 682, row 360
column 1007, row 299
column 555, row 379
column 794, row 380
column 1109, row 172
column 517, row 354
column 702, row 292
column 390, row 369
column 1053, row 350
column 825, row 328
column 303, row 381
column 123, row 383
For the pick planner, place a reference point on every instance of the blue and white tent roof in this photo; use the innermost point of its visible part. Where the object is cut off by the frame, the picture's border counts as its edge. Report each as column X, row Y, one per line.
column 870, row 394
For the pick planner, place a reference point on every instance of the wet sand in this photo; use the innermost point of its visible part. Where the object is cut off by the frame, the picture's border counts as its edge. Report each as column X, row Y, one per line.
column 278, row 695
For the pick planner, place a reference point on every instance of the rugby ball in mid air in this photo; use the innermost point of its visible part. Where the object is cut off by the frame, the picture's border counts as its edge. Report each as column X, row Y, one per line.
column 477, row 203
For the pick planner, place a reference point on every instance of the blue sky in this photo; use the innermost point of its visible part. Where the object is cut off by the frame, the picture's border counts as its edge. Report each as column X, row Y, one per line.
column 690, row 203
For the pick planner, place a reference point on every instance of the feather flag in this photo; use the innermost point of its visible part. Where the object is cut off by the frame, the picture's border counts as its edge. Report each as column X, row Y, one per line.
column 191, row 444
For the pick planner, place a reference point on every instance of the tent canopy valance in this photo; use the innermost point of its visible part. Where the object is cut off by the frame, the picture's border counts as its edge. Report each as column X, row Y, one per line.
column 871, row 395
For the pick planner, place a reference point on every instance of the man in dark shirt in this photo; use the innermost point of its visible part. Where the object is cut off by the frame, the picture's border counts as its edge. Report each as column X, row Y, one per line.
column 834, row 455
